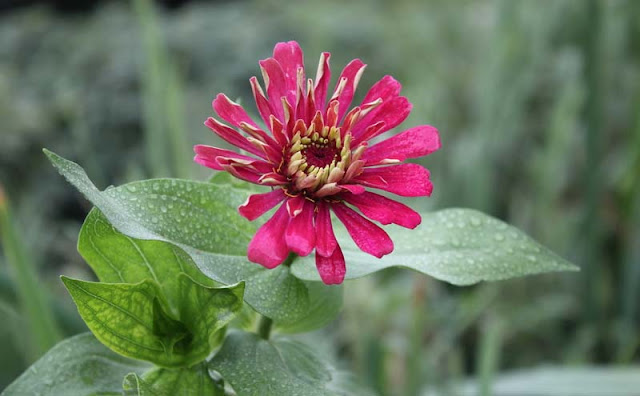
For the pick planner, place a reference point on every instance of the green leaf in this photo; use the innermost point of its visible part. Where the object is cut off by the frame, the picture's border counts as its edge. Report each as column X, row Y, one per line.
column 173, row 382
column 459, row 246
column 202, row 219
column 280, row 367
column 133, row 320
column 77, row 366
column 117, row 258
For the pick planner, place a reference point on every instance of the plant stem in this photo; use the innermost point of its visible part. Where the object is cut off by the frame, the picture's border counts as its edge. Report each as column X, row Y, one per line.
column 289, row 260
column 264, row 327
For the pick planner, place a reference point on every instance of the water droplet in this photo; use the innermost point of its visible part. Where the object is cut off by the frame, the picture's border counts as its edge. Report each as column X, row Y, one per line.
column 476, row 221
column 498, row 237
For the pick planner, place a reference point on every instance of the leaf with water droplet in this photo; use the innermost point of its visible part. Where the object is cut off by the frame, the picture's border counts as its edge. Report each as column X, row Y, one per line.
column 77, row 366
column 253, row 366
column 135, row 320
column 204, row 222
column 483, row 248
column 164, row 382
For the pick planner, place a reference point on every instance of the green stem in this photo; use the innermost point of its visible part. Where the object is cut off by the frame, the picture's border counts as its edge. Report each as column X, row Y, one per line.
column 289, row 260
column 264, row 327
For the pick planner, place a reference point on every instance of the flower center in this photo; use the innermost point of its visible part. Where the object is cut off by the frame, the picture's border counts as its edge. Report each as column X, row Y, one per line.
column 318, row 158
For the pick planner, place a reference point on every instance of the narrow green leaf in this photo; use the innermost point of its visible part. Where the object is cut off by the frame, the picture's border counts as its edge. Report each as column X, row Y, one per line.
column 279, row 367
column 459, row 246
column 173, row 382
column 202, row 219
column 42, row 327
column 133, row 320
column 77, row 366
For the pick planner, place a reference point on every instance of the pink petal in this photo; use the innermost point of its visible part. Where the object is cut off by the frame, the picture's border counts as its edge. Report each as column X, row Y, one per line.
column 264, row 107
column 258, row 204
column 369, row 237
column 370, row 132
column 253, row 165
column 332, row 268
column 289, row 56
column 295, row 205
column 323, row 76
column 326, row 241
column 231, row 112
column 242, row 172
column 206, row 155
column 385, row 210
column 208, row 163
column 273, row 179
column 387, row 88
column 412, row 143
column 276, row 84
column 392, row 112
column 352, row 72
column 268, row 246
column 407, row 180
column 232, row 136
column 300, row 235
column 352, row 188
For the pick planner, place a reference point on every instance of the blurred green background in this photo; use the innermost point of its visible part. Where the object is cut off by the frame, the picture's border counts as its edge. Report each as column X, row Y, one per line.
column 538, row 108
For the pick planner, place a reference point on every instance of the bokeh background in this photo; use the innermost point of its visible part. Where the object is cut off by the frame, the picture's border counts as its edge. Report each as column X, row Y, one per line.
column 538, row 108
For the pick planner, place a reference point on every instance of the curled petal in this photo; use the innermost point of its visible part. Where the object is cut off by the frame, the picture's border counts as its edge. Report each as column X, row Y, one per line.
column 262, row 103
column 385, row 210
column 323, row 76
column 272, row 179
column 259, row 167
column 331, row 268
column 326, row 241
column 300, row 234
column 232, row 136
column 231, row 111
column 392, row 112
column 242, row 172
column 369, row 237
column 352, row 188
column 407, row 180
column 258, row 204
column 289, row 56
column 370, row 132
column 206, row 155
column 268, row 247
column 352, row 73
column 295, row 205
column 385, row 89
column 412, row 143
column 275, row 82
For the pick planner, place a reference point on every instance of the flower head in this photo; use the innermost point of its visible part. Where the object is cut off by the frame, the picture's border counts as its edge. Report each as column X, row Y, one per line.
column 315, row 155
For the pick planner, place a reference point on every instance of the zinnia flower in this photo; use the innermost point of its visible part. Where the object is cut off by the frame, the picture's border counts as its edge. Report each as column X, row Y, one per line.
column 315, row 155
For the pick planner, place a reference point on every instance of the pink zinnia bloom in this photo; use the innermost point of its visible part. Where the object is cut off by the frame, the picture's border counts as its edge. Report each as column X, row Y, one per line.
column 316, row 157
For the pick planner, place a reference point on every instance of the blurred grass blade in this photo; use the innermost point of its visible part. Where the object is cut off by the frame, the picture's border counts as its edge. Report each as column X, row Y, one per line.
column 43, row 330
column 490, row 345
column 166, row 148
column 176, row 121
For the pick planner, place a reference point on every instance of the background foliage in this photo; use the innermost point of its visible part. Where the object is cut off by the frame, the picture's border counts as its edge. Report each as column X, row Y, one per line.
column 538, row 112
